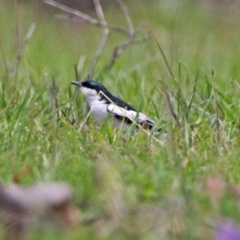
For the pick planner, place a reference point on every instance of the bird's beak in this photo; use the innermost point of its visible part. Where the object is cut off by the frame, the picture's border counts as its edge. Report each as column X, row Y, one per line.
column 78, row 84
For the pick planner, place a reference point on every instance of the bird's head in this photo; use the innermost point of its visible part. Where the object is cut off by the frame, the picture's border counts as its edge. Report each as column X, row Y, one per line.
column 90, row 88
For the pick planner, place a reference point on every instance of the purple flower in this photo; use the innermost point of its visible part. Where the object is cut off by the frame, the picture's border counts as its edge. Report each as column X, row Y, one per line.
column 227, row 231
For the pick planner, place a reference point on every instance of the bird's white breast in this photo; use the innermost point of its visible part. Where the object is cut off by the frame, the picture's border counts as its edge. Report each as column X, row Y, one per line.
column 97, row 106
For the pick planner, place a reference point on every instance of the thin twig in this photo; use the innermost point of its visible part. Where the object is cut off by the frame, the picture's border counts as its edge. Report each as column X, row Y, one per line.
column 83, row 16
column 111, row 27
column 128, row 18
column 106, row 35
column 139, row 27
column 118, row 50
column 140, row 40
column 64, row 8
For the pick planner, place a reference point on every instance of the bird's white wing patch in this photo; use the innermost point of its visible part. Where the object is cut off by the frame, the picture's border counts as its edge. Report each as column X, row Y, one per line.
column 121, row 112
column 129, row 114
column 143, row 118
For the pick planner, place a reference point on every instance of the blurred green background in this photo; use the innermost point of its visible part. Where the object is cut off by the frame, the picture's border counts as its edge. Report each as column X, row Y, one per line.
column 126, row 187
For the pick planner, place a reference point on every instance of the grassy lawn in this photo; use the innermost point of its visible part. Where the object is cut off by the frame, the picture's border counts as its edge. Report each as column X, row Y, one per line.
column 127, row 187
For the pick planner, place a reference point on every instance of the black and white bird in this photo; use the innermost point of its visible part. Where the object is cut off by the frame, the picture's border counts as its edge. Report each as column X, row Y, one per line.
column 102, row 103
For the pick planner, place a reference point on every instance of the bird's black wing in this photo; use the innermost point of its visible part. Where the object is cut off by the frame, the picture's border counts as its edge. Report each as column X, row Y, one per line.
column 126, row 112
column 109, row 98
column 120, row 109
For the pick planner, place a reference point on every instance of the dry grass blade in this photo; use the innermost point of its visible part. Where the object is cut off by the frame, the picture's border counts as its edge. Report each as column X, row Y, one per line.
column 22, row 48
column 85, row 120
column 66, row 117
column 216, row 108
column 79, row 68
column 4, row 58
column 165, row 59
column 236, row 83
column 17, row 28
column 53, row 100
column 170, row 105
column 193, row 94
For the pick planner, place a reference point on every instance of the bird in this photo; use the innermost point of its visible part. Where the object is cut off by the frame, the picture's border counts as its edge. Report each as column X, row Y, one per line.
column 103, row 105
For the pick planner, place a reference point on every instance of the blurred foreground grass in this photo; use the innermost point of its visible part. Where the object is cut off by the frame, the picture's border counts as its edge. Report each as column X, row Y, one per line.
column 127, row 188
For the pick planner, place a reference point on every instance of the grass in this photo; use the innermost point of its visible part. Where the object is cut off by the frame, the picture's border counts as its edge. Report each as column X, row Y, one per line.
column 127, row 188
